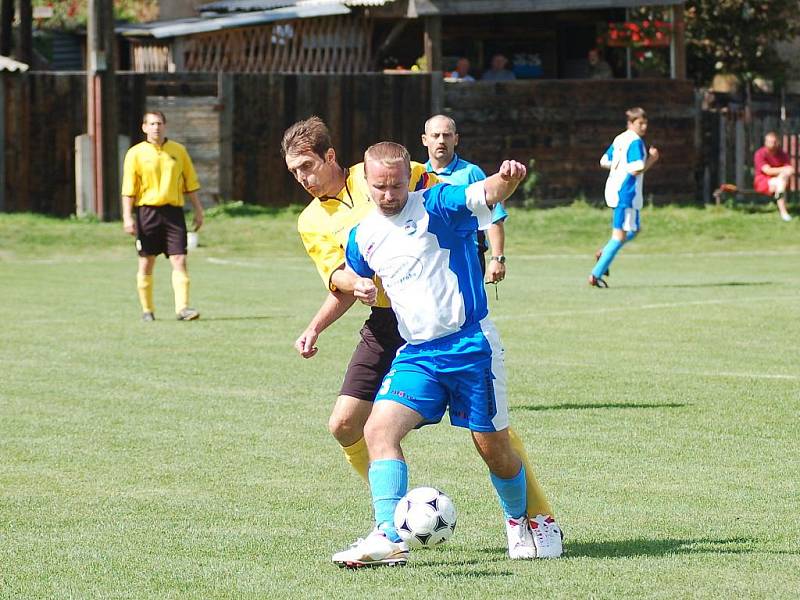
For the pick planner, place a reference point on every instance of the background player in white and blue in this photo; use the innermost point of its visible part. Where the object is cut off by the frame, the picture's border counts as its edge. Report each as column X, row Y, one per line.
column 420, row 245
column 441, row 139
column 627, row 160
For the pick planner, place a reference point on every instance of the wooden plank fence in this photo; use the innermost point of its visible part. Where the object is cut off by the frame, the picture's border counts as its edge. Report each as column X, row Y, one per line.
column 734, row 135
column 564, row 125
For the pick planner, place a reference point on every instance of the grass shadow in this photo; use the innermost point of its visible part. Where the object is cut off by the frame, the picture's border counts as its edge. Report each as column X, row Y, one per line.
column 573, row 406
column 637, row 547
column 664, row 547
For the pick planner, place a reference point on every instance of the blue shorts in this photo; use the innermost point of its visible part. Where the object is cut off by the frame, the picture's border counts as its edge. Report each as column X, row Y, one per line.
column 463, row 372
column 625, row 218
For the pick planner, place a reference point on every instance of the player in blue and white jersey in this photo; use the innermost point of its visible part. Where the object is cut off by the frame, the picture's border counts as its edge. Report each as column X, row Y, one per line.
column 627, row 160
column 441, row 139
column 420, row 245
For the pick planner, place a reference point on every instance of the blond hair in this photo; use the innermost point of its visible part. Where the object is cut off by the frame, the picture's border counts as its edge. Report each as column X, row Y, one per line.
column 155, row 113
column 637, row 112
column 388, row 154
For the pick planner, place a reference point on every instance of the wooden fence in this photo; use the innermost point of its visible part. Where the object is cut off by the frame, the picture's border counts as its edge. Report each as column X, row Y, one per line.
column 734, row 132
column 359, row 110
column 564, row 125
column 43, row 114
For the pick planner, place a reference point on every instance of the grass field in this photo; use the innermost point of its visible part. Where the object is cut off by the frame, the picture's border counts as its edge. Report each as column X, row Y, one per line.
column 191, row 460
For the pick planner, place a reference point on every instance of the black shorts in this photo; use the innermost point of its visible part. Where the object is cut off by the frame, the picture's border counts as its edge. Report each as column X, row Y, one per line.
column 373, row 355
column 160, row 230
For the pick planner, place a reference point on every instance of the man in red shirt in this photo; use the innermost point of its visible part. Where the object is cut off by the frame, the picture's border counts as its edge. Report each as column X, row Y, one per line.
column 772, row 172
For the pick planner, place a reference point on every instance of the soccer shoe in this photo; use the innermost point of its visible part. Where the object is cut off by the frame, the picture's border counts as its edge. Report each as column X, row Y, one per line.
column 598, row 282
column 376, row 550
column 188, row 314
column 547, row 536
column 786, row 217
column 148, row 316
column 520, row 539
column 597, row 256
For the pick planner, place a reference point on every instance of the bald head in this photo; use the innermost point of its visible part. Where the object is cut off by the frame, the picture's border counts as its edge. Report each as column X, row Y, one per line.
column 441, row 139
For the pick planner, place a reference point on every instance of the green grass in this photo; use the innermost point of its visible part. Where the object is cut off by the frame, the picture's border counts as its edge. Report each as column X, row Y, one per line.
column 191, row 460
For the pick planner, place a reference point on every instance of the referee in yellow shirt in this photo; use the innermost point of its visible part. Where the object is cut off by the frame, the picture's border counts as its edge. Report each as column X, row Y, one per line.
column 157, row 174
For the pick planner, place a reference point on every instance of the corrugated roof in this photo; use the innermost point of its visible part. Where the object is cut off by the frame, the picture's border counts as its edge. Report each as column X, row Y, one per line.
column 418, row 8
column 179, row 27
column 9, row 64
column 229, row 6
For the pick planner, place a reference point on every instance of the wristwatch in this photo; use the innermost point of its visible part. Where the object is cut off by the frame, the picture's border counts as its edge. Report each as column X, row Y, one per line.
column 501, row 258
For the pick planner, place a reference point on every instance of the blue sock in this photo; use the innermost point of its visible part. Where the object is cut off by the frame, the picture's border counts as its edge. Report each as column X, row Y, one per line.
column 630, row 235
column 609, row 252
column 388, row 480
column 513, row 493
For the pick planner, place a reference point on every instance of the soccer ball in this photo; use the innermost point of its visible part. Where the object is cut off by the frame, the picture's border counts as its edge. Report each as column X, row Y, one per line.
column 425, row 517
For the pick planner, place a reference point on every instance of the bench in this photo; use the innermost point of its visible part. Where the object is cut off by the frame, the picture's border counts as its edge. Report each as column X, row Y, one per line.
column 732, row 192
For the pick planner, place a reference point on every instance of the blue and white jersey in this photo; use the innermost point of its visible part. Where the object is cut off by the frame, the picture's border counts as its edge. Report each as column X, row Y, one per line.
column 462, row 172
column 625, row 155
column 426, row 259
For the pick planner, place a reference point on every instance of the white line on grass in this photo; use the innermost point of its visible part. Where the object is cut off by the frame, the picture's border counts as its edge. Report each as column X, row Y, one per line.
column 615, row 309
column 713, row 254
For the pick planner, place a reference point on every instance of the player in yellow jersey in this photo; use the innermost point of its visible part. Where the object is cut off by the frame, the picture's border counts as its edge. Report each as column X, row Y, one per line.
column 341, row 200
column 157, row 174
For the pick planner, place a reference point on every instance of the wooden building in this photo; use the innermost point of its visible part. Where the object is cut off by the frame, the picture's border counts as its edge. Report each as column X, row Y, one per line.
column 545, row 39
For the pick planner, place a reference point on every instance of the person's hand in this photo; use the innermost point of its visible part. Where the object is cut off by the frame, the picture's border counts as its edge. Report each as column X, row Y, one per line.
column 511, row 170
column 129, row 225
column 305, row 343
column 495, row 272
column 653, row 152
column 366, row 291
column 198, row 219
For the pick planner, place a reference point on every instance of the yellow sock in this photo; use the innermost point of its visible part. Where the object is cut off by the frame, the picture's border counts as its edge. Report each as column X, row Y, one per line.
column 537, row 502
column 144, row 284
column 180, row 285
column 358, row 457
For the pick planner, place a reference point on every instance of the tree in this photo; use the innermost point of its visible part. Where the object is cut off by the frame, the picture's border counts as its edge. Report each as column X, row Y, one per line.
column 71, row 14
column 738, row 37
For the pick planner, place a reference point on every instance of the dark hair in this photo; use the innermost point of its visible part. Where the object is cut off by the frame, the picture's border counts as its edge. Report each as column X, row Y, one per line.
column 309, row 134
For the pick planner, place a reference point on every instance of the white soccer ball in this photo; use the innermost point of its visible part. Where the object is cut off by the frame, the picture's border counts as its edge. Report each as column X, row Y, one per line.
column 425, row 517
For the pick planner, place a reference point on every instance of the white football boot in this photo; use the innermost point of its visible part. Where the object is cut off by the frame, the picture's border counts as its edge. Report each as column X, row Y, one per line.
column 375, row 550
column 547, row 536
column 520, row 538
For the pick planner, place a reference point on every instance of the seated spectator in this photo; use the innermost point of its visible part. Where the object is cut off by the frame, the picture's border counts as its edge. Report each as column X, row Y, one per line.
column 598, row 67
column 462, row 71
column 773, row 169
column 499, row 70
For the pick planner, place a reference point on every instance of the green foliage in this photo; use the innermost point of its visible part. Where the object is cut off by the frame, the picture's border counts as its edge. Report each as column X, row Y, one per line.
column 192, row 460
column 72, row 14
column 738, row 37
column 528, row 188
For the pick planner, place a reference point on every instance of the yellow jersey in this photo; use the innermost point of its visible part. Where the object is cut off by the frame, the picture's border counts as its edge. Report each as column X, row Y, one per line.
column 157, row 175
column 325, row 224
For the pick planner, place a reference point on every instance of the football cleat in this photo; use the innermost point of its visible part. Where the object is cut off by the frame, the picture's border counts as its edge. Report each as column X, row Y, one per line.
column 188, row 314
column 520, row 539
column 598, row 282
column 148, row 316
column 376, row 550
column 547, row 536
column 597, row 256
column 786, row 217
